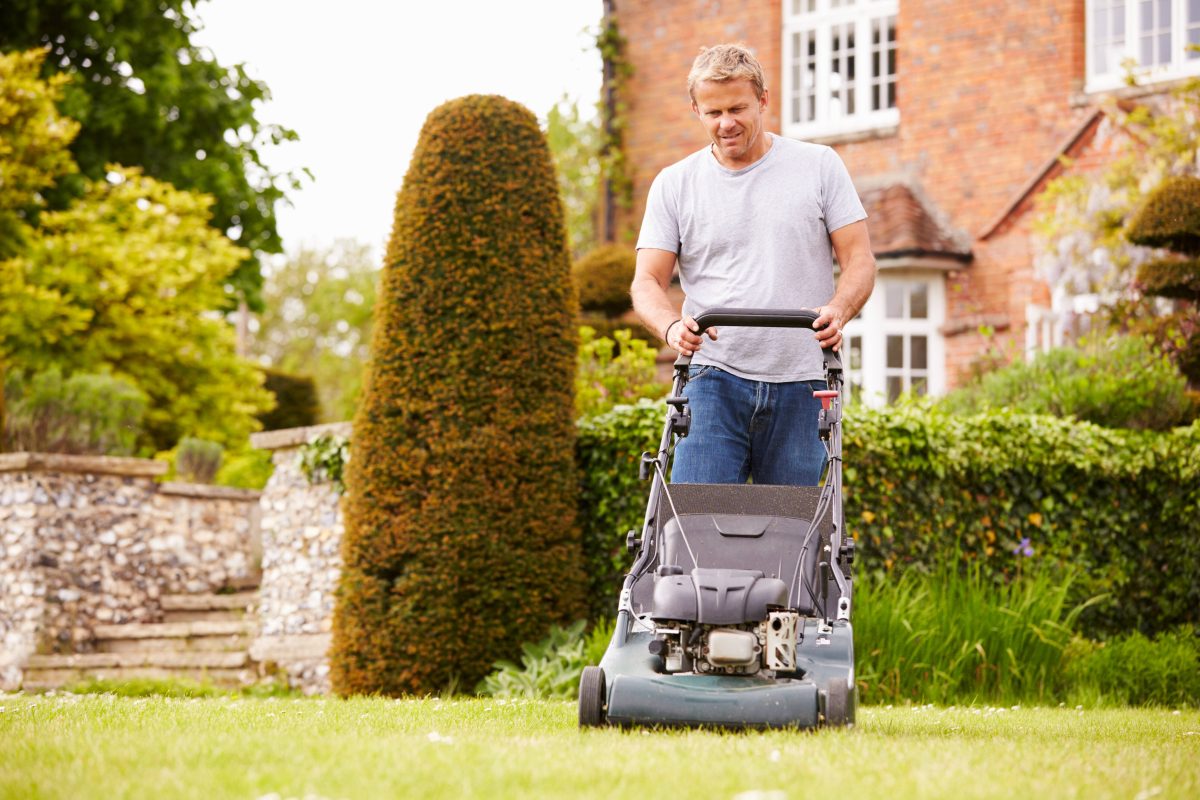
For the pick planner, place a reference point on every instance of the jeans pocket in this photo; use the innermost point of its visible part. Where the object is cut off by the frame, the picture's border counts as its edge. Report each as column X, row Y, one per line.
column 695, row 373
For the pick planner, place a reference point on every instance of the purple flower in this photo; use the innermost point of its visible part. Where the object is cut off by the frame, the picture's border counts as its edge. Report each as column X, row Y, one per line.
column 1023, row 548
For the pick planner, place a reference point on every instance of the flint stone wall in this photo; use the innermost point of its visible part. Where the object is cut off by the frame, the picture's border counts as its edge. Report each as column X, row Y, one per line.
column 87, row 540
column 301, row 538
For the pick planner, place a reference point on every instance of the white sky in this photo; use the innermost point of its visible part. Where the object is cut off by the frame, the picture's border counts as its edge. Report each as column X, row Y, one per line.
column 356, row 79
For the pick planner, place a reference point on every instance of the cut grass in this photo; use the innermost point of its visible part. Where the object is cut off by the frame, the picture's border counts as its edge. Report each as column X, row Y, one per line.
column 106, row 746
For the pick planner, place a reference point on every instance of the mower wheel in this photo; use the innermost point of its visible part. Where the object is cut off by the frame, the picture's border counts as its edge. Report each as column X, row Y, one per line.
column 837, row 704
column 592, row 696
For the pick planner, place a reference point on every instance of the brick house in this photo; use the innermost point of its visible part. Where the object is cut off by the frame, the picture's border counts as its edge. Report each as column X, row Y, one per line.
column 951, row 116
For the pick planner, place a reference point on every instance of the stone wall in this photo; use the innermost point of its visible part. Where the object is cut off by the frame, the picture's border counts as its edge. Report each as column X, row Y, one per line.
column 301, row 539
column 89, row 540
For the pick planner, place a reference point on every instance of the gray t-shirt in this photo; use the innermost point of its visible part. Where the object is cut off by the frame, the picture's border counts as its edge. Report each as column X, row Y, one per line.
column 757, row 237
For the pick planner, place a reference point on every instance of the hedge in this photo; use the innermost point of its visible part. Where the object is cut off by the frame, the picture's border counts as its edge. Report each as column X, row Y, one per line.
column 924, row 488
column 296, row 403
column 461, row 542
column 602, row 278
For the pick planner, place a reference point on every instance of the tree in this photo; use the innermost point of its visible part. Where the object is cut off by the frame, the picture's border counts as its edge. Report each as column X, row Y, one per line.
column 33, row 143
column 124, row 281
column 461, row 542
column 575, row 145
column 316, row 321
column 146, row 96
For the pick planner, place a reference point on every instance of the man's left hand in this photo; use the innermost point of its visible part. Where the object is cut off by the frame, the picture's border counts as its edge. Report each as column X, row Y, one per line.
column 828, row 326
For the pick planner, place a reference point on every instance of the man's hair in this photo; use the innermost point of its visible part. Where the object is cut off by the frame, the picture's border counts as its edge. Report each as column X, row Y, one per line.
column 726, row 62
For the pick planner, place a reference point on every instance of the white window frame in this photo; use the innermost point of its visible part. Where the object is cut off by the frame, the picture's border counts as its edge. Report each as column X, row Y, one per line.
column 872, row 327
column 820, row 23
column 1182, row 63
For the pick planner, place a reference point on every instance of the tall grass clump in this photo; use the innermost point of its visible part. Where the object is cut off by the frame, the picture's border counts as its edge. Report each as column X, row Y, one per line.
column 1136, row 670
column 951, row 637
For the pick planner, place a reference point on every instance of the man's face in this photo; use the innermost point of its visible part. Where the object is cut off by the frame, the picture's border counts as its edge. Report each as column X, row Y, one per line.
column 733, row 117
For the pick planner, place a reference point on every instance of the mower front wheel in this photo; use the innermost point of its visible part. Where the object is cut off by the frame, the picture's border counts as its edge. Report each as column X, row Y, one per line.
column 838, row 713
column 592, row 698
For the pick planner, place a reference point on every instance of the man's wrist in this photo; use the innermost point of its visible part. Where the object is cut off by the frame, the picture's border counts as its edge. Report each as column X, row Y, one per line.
column 667, row 331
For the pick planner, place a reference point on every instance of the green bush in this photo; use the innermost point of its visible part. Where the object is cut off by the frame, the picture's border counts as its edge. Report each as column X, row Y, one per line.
column 246, row 468
column 1121, row 382
column 324, row 459
column 1136, row 670
column 1170, row 217
column 197, row 460
column 551, row 668
column 614, row 371
column 296, row 404
column 461, row 541
column 80, row 414
column 602, row 278
column 924, row 488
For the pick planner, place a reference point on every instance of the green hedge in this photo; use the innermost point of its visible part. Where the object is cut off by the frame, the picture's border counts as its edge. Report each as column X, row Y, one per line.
column 924, row 488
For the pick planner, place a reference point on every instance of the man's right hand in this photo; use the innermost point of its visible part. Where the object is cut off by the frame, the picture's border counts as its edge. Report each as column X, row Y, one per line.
column 682, row 336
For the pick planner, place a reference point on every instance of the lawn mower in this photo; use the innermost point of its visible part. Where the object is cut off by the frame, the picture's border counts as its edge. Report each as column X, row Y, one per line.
column 736, row 611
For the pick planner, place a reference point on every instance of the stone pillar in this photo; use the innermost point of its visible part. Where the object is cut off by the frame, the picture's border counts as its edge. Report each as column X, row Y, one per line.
column 301, row 561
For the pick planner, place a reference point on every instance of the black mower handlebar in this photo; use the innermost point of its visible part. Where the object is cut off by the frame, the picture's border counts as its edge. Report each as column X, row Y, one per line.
column 756, row 318
column 761, row 318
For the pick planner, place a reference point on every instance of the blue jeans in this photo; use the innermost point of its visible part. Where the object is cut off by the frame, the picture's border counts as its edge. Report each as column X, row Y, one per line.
column 749, row 429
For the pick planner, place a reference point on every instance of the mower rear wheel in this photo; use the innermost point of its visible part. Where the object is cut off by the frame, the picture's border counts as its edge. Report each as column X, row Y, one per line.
column 837, row 704
column 592, row 697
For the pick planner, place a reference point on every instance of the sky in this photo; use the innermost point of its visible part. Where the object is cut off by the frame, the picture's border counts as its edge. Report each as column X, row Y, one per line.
column 356, row 79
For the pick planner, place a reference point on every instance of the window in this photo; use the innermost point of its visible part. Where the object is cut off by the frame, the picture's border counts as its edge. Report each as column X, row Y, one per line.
column 1151, row 36
column 895, row 345
column 839, row 73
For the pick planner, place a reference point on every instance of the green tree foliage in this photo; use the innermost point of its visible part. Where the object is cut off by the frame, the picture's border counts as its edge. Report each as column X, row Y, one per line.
column 33, row 143
column 296, row 403
column 146, row 96
column 614, row 371
column 124, row 281
column 575, row 144
column 317, row 321
column 1118, row 382
column 461, row 542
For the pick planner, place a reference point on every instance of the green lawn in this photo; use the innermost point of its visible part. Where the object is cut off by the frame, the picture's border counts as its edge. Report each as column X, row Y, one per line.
column 76, row 746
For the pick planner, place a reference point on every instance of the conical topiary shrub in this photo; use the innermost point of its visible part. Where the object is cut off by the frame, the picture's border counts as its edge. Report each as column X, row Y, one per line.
column 461, row 543
column 1170, row 219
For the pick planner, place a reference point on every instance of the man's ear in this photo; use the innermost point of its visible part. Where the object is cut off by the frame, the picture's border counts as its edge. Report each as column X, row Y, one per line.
column 695, row 108
column 762, row 101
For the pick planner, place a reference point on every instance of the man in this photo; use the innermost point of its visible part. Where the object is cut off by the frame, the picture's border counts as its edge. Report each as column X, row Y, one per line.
column 751, row 220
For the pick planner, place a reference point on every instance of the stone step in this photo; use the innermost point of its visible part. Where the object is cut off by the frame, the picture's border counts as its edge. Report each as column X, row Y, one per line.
column 173, row 630
column 165, row 659
column 208, row 607
column 41, row 679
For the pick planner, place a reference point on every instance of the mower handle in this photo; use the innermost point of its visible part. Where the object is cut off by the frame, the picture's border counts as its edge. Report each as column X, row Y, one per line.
column 756, row 318
column 761, row 318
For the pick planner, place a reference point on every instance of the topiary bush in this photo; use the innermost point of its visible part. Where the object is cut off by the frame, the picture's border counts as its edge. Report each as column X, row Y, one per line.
column 296, row 403
column 1170, row 217
column 602, row 278
column 461, row 541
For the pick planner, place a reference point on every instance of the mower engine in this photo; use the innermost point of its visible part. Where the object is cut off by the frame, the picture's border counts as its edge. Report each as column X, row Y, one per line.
column 728, row 649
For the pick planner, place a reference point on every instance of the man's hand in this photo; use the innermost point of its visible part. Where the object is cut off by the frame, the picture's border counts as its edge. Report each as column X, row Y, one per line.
column 827, row 327
column 682, row 337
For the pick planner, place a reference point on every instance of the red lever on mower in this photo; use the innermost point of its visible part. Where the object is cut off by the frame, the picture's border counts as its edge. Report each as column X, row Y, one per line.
column 826, row 396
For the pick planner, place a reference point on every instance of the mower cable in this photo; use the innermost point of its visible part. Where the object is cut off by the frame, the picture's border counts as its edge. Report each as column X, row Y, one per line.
column 663, row 480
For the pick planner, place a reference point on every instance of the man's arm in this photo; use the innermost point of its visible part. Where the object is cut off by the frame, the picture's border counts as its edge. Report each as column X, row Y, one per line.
column 852, row 245
column 651, row 279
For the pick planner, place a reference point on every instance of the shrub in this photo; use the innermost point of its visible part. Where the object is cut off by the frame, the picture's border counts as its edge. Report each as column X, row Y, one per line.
column 296, row 404
column 1136, row 670
column 461, row 542
column 924, row 488
column 1170, row 217
column 602, row 278
column 1121, row 382
column 324, row 459
column 614, row 371
column 80, row 414
column 245, row 468
column 197, row 460
column 551, row 668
